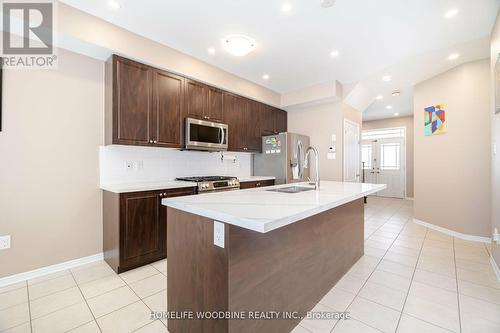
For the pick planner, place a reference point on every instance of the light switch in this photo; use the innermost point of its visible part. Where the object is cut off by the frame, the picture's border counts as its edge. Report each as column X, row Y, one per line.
column 331, row 156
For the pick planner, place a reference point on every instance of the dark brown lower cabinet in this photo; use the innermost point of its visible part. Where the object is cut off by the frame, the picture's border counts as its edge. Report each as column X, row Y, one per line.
column 259, row 183
column 135, row 227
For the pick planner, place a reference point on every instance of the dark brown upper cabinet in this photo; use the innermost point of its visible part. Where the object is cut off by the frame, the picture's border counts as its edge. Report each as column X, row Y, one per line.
column 144, row 105
column 252, row 122
column 203, row 102
column 273, row 121
column 280, row 124
column 234, row 107
column 215, row 109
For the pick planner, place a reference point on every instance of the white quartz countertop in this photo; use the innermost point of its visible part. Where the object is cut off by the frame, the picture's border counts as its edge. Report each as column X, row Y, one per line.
column 254, row 178
column 146, row 186
column 261, row 210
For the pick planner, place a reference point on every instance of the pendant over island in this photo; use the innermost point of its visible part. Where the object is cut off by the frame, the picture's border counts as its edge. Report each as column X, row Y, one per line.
column 267, row 255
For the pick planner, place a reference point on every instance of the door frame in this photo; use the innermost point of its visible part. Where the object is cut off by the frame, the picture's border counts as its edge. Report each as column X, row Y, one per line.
column 403, row 152
column 358, row 126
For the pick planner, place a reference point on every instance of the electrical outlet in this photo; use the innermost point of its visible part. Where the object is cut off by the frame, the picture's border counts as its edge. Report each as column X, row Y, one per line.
column 131, row 166
column 5, row 242
column 219, row 234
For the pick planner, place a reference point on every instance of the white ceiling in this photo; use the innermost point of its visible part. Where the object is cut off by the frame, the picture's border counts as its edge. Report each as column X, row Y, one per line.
column 294, row 48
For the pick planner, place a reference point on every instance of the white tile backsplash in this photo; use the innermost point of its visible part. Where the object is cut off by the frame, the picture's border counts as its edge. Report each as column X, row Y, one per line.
column 157, row 164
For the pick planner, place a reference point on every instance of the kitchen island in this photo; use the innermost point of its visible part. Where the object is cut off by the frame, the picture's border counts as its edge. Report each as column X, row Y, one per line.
column 277, row 254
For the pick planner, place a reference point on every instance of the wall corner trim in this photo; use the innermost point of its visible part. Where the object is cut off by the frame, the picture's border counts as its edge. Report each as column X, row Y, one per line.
column 8, row 280
column 495, row 268
column 453, row 233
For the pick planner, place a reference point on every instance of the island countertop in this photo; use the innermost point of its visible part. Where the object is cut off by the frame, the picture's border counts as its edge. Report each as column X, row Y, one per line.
column 261, row 210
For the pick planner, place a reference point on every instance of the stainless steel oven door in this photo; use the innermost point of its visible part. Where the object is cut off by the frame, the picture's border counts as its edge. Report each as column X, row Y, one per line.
column 205, row 135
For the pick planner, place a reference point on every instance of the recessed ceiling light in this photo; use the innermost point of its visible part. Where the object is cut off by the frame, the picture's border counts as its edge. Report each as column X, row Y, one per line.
column 379, row 97
column 451, row 13
column 386, row 78
column 327, row 3
column 453, row 56
column 388, row 107
column 396, row 114
column 335, row 53
column 211, row 50
column 286, row 7
column 114, row 4
column 238, row 45
column 265, row 76
column 396, row 93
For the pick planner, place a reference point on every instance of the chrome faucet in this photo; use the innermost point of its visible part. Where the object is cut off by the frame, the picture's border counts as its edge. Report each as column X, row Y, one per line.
column 306, row 164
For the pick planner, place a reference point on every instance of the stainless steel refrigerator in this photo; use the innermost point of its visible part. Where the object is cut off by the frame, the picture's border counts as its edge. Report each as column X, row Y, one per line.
column 282, row 157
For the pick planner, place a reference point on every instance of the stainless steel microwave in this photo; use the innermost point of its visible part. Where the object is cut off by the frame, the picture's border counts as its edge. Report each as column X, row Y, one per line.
column 205, row 135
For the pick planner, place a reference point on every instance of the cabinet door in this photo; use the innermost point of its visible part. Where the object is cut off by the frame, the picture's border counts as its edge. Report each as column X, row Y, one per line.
column 252, row 121
column 234, row 107
column 167, row 111
column 132, row 102
column 280, row 121
column 259, row 183
column 196, row 99
column 141, row 229
column 267, row 120
column 215, row 110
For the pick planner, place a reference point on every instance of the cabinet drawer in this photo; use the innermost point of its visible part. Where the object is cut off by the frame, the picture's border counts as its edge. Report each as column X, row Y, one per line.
column 258, row 183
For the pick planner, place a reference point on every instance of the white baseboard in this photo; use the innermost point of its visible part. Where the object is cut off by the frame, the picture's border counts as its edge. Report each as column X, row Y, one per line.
column 495, row 268
column 454, row 233
column 49, row 269
column 409, row 198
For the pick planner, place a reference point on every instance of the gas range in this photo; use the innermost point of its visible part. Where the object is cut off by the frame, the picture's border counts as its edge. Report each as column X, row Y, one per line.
column 213, row 183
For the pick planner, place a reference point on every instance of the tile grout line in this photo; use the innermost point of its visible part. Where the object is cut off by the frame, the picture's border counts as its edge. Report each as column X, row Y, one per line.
column 29, row 305
column 456, row 281
column 411, row 280
column 83, row 296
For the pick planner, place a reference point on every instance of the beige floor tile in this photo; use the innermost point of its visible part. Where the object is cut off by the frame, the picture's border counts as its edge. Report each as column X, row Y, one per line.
column 430, row 311
column 51, row 286
column 438, row 244
column 23, row 328
column 337, row 299
column 127, row 319
column 474, row 308
column 374, row 252
column 481, row 292
column 350, row 283
column 390, row 280
column 87, row 328
column 157, row 302
column 374, row 315
column 488, row 279
column 161, row 265
column 63, row 320
column 56, row 301
column 396, row 268
column 438, row 252
column 474, row 266
column 300, row 329
column 409, row 324
column 48, row 277
column 436, row 280
column 150, row 285
column 462, row 242
column 11, row 287
column 138, row 274
column 416, row 245
column 101, row 286
column 13, row 297
column 154, row 327
column 384, row 295
column 92, row 272
column 111, row 301
column 319, row 325
column 404, row 250
column 439, row 266
column 402, row 259
column 353, row 326
column 377, row 244
column 14, row 316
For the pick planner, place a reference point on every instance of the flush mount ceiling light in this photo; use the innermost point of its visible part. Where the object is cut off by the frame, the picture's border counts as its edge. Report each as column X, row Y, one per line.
column 396, row 93
column 286, row 7
column 238, row 45
column 379, row 97
column 396, row 114
column 386, row 78
column 453, row 56
column 265, row 76
column 388, row 107
column 327, row 3
column 451, row 13
column 334, row 53
column 114, row 4
column 211, row 50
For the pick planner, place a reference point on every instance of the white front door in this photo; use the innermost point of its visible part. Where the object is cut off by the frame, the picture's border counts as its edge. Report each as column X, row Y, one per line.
column 351, row 151
column 384, row 164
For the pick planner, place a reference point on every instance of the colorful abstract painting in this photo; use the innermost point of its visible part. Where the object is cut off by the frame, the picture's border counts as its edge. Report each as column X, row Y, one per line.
column 434, row 120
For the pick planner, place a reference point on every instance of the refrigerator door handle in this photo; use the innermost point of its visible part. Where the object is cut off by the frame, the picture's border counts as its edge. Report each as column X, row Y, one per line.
column 300, row 158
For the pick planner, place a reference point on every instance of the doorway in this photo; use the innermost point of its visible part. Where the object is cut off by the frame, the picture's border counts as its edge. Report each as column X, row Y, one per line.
column 351, row 151
column 383, row 160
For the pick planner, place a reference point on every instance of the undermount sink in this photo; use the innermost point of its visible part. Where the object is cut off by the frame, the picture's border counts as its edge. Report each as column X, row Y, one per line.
column 292, row 189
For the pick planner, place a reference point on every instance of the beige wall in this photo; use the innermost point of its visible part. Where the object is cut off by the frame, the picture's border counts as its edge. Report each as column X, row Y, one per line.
column 91, row 30
column 320, row 122
column 399, row 122
column 452, row 170
column 50, row 201
column 495, row 122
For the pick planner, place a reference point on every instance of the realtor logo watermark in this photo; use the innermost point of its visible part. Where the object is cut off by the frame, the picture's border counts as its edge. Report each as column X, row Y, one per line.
column 28, row 34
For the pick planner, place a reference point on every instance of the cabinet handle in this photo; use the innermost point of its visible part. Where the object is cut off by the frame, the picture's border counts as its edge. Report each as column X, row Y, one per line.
column 161, row 194
column 258, row 184
column 155, row 141
column 150, row 141
column 165, row 194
